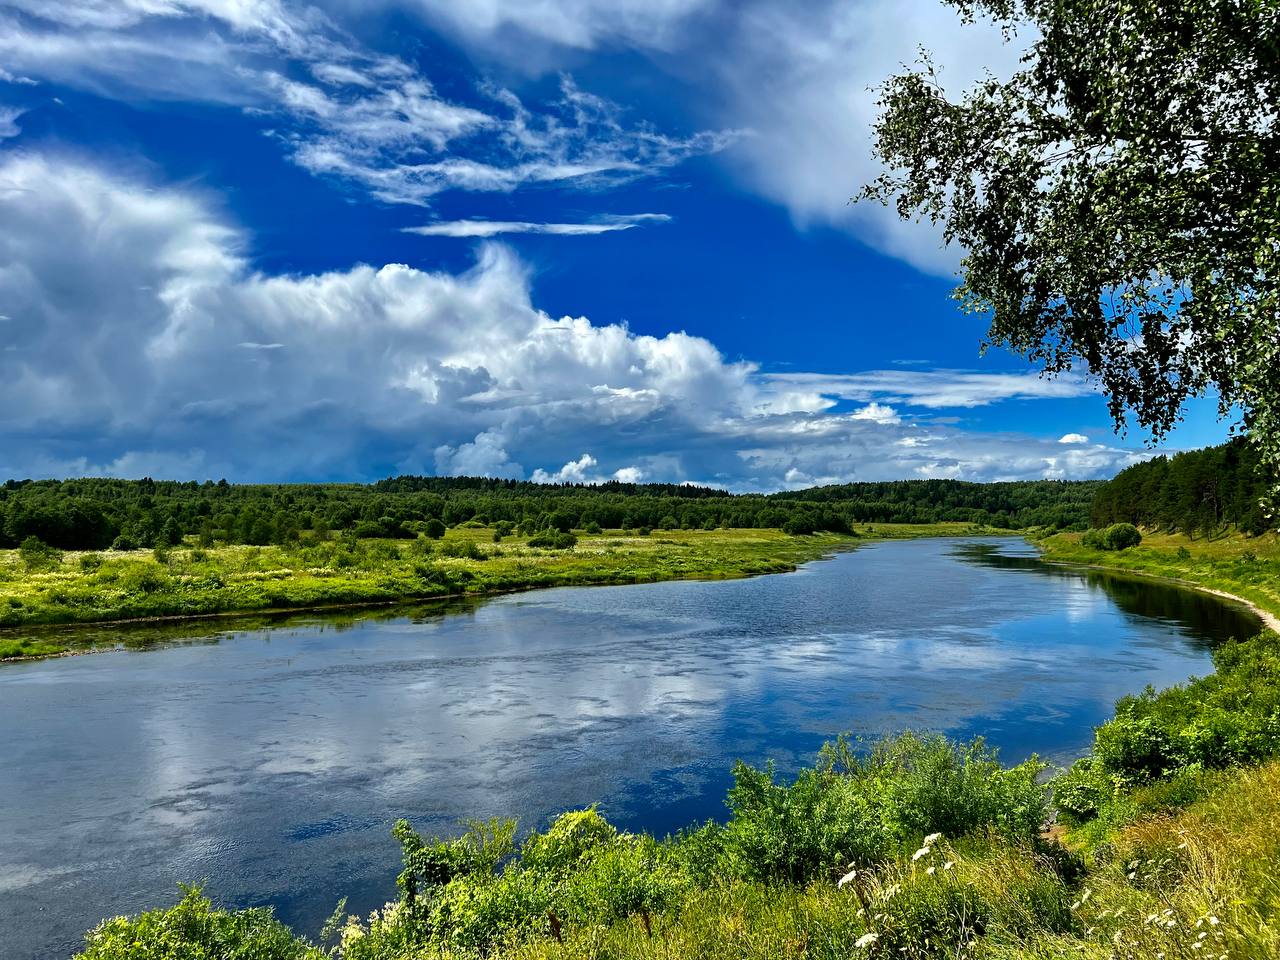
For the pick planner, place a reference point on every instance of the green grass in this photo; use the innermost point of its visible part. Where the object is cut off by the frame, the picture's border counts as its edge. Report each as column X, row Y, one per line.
column 84, row 588
column 1247, row 567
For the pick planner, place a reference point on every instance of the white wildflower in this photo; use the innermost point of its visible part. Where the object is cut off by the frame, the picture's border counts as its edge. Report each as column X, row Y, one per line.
column 922, row 852
column 930, row 871
column 866, row 940
column 847, row 878
column 931, row 839
column 948, row 865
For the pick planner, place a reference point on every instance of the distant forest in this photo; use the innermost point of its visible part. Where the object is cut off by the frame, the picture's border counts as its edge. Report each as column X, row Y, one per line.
column 94, row 514
column 1197, row 492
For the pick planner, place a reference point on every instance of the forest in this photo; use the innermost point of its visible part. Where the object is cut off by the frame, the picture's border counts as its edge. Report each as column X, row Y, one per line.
column 1196, row 492
column 94, row 514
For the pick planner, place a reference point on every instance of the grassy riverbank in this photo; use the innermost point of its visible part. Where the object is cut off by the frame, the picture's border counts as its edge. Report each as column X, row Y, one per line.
column 92, row 587
column 1231, row 562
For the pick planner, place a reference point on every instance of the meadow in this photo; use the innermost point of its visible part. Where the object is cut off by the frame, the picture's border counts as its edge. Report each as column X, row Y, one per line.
column 47, row 587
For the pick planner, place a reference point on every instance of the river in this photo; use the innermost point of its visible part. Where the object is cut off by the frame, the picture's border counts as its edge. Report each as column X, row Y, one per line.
column 272, row 761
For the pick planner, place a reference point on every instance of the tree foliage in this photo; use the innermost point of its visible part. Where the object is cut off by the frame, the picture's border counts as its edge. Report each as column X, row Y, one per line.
column 1118, row 197
column 93, row 514
column 1197, row 492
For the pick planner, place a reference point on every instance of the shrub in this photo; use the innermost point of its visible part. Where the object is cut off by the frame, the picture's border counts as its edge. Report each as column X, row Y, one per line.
column 592, row 528
column 1165, row 741
column 463, row 549
column 1081, row 791
column 38, row 556
column 864, row 808
column 90, row 562
column 1118, row 536
column 124, row 542
column 193, row 930
column 554, row 539
column 1122, row 536
column 434, row 529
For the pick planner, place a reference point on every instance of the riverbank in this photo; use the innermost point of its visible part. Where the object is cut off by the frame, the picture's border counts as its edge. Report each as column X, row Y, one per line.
column 43, row 611
column 1232, row 566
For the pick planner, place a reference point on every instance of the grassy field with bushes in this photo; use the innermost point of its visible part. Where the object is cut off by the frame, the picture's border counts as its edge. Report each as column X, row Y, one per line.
column 40, row 585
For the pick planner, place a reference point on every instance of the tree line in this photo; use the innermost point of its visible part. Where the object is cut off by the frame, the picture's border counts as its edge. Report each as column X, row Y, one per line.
column 92, row 514
column 1197, row 492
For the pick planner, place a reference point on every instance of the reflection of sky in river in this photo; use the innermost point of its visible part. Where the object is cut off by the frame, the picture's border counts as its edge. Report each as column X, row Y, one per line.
column 273, row 762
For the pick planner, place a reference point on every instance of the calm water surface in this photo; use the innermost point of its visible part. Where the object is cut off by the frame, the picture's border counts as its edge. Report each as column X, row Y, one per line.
column 273, row 761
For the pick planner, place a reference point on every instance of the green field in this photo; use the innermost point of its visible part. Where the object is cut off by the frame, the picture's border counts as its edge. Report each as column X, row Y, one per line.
column 76, row 587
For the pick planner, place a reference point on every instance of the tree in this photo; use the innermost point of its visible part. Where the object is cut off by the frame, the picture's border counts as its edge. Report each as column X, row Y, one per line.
column 170, row 534
column 1118, row 197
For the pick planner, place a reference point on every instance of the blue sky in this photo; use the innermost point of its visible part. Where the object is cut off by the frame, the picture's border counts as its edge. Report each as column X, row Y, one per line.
column 551, row 239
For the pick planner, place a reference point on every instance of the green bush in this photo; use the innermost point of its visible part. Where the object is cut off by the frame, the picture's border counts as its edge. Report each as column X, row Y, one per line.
column 193, row 930
column 1164, row 742
column 554, row 540
column 854, row 808
column 1081, row 791
column 37, row 556
column 464, row 549
column 1118, row 536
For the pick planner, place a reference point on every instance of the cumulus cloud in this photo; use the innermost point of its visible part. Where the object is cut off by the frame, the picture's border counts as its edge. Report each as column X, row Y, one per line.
column 141, row 340
column 1073, row 438
column 575, row 471
column 493, row 228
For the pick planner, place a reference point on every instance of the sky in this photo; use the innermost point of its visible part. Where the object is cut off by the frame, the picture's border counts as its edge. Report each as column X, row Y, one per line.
column 561, row 240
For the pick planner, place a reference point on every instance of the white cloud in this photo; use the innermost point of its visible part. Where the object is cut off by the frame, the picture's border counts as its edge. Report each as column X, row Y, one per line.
column 369, row 119
column 877, row 412
column 142, row 341
column 8, row 126
column 493, row 228
column 1073, row 438
column 581, row 24
column 7, row 77
column 800, row 76
column 575, row 471
column 935, row 389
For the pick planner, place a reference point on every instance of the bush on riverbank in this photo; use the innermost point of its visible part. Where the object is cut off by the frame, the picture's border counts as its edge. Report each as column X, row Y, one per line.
column 1171, row 738
column 1118, row 536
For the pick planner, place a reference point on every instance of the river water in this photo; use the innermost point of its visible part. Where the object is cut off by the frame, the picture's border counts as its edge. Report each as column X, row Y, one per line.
column 272, row 761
